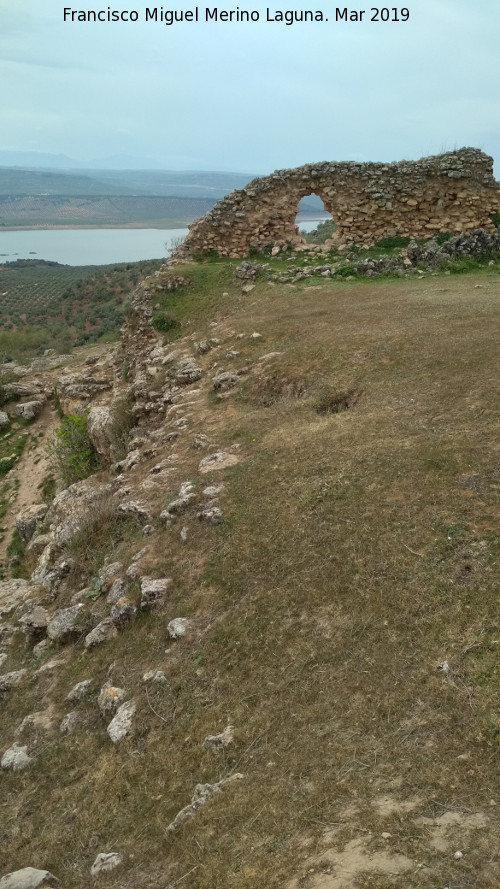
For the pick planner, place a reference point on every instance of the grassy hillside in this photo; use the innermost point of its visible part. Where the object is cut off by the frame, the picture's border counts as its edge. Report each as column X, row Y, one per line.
column 343, row 614
column 44, row 304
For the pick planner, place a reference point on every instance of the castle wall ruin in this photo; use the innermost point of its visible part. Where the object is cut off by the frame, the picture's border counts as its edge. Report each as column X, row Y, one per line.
column 447, row 192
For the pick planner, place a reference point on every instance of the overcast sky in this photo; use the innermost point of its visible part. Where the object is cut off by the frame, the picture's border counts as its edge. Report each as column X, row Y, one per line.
column 250, row 97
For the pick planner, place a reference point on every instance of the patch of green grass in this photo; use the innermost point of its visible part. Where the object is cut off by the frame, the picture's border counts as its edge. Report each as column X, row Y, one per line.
column 166, row 323
column 15, row 556
column 464, row 265
column 203, row 297
column 396, row 242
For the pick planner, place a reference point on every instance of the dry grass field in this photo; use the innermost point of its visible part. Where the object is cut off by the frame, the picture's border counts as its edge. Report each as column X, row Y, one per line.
column 345, row 616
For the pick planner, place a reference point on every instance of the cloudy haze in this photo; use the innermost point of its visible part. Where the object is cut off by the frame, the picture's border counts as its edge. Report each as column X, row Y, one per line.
column 250, row 97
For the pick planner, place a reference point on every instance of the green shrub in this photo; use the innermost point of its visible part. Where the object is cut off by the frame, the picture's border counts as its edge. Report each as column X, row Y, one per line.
column 392, row 243
column 72, row 449
column 442, row 237
column 495, row 218
column 165, row 323
column 6, row 464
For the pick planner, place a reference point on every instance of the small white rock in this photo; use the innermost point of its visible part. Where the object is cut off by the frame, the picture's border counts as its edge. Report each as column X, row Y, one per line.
column 121, row 724
column 155, row 676
column 177, row 627
column 79, row 690
column 27, row 878
column 16, row 758
column 458, row 855
column 105, row 861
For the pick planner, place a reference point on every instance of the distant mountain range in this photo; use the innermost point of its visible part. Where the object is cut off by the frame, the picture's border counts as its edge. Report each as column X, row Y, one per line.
column 46, row 160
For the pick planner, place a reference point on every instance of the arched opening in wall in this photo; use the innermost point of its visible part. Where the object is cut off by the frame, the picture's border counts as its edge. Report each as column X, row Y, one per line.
column 314, row 223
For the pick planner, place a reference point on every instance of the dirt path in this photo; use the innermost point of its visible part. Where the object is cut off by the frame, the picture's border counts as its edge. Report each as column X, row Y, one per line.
column 29, row 471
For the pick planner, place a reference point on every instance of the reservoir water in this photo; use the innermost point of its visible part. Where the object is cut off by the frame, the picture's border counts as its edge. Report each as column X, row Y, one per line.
column 101, row 246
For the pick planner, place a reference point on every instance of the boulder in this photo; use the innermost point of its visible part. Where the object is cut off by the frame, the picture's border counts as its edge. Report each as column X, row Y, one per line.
column 176, row 507
column 11, row 680
column 108, row 575
column 12, row 593
column 121, row 724
column 28, row 410
column 100, row 430
column 24, row 390
column 206, row 345
column 35, row 622
column 177, row 627
column 123, row 611
column 101, row 633
column 16, row 758
column 110, row 698
column 116, row 592
column 4, row 421
column 28, row 519
column 66, row 624
column 79, row 690
column 186, row 371
column 154, row 590
column 224, row 380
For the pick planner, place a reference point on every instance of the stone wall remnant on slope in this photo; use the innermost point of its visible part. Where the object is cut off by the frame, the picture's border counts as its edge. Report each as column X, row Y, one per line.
column 447, row 192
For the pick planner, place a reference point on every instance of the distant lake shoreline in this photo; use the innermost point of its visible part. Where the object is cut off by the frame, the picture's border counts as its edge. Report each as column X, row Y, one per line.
column 99, row 245
column 168, row 225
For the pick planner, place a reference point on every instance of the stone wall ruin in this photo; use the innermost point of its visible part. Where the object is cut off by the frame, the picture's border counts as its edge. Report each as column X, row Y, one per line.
column 453, row 192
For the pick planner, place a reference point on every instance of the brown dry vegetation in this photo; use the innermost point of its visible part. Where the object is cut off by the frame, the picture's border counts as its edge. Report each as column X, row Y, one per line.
column 359, row 550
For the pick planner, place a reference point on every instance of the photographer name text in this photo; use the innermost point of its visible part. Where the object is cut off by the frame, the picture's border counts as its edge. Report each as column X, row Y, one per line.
column 214, row 14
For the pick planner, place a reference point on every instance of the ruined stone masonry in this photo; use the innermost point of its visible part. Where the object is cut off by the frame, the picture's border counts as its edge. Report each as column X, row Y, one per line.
column 447, row 192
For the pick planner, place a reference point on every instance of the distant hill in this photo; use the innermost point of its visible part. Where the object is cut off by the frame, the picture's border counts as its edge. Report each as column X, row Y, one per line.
column 15, row 181
column 100, row 210
column 193, row 183
column 116, row 197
